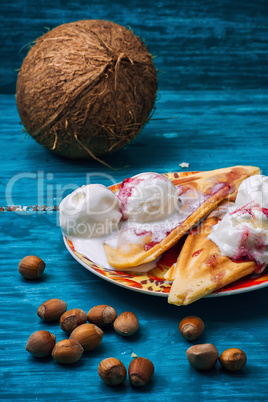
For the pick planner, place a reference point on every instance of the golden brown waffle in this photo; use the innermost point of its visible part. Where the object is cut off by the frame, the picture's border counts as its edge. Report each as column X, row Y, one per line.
column 201, row 268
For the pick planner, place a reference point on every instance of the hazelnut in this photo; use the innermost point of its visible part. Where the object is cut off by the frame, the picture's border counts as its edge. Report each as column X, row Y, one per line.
column 126, row 324
column 102, row 315
column 88, row 335
column 41, row 343
column 67, row 351
column 203, row 356
column 112, row 371
column 51, row 310
column 233, row 359
column 140, row 371
column 72, row 319
column 191, row 327
column 31, row 267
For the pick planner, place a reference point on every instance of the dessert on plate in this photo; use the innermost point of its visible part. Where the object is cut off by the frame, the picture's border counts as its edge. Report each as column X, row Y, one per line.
column 222, row 214
column 230, row 243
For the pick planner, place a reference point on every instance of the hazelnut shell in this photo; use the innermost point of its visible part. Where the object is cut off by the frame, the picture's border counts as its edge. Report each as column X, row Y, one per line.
column 51, row 310
column 203, row 356
column 88, row 335
column 102, row 315
column 140, row 371
column 112, row 371
column 126, row 324
column 41, row 343
column 31, row 267
column 233, row 359
column 191, row 327
column 67, row 351
column 72, row 319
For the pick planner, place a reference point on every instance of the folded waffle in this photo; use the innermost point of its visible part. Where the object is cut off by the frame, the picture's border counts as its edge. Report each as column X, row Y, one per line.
column 198, row 194
column 201, row 268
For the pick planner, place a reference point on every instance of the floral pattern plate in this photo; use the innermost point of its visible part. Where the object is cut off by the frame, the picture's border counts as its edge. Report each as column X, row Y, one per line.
column 153, row 282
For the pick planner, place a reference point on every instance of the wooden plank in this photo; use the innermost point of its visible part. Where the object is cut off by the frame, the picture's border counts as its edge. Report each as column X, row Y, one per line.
column 208, row 129
column 211, row 112
column 198, row 44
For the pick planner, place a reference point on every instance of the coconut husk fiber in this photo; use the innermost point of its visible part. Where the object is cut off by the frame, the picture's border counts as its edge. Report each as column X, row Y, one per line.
column 86, row 88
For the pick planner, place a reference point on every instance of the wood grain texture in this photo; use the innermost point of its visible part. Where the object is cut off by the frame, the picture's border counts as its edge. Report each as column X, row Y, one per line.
column 196, row 42
column 211, row 112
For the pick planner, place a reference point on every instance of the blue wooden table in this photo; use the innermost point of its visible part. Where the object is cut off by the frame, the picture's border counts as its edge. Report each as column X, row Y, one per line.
column 211, row 112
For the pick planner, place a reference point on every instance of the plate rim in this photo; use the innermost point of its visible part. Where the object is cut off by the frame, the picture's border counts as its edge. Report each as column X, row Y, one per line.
column 219, row 293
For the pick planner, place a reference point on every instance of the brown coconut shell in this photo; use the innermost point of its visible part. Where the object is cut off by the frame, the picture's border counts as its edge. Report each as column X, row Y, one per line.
column 86, row 88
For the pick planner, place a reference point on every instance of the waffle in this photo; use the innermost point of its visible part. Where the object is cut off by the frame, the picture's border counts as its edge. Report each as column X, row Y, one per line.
column 201, row 268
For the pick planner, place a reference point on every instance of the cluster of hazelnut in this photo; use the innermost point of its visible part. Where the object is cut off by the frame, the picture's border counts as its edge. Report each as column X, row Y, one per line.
column 85, row 334
column 205, row 356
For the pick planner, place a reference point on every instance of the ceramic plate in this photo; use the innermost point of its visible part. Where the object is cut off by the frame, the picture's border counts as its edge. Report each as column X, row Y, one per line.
column 153, row 282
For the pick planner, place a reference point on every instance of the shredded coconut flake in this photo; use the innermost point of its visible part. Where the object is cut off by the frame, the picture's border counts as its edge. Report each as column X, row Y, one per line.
column 184, row 165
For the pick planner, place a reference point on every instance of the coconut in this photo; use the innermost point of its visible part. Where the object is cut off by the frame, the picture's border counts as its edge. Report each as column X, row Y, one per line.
column 86, row 88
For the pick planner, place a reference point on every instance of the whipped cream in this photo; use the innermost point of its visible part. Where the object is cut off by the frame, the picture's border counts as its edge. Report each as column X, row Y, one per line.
column 242, row 234
column 253, row 189
column 148, row 197
column 90, row 211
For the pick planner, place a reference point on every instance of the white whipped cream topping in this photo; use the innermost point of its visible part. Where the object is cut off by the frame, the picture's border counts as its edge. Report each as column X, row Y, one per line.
column 253, row 189
column 243, row 231
column 90, row 211
column 148, row 197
